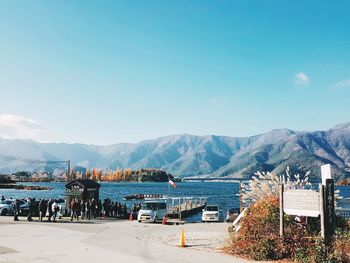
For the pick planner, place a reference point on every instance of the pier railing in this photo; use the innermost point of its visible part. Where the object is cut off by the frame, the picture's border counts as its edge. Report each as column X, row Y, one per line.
column 344, row 212
column 185, row 206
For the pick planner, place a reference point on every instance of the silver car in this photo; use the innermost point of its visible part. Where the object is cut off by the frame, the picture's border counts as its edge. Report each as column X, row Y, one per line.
column 6, row 207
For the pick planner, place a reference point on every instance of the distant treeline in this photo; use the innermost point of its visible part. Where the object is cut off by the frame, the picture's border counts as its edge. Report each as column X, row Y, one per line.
column 122, row 175
column 344, row 182
column 23, row 176
column 5, row 179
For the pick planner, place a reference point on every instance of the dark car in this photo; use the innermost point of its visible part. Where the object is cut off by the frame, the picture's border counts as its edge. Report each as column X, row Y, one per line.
column 24, row 208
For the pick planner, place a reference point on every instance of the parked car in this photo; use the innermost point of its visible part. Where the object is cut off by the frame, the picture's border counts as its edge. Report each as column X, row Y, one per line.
column 6, row 208
column 152, row 211
column 231, row 214
column 24, row 208
column 211, row 213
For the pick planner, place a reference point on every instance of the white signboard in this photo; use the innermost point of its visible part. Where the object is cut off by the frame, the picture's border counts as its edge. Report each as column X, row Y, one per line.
column 301, row 203
column 325, row 173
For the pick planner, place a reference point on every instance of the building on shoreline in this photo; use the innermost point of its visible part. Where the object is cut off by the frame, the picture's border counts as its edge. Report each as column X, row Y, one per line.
column 82, row 189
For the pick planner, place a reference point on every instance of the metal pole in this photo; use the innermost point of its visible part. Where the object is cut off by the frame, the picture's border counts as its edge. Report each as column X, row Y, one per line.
column 168, row 185
column 68, row 172
column 240, row 197
column 180, row 215
column 322, row 216
column 281, row 211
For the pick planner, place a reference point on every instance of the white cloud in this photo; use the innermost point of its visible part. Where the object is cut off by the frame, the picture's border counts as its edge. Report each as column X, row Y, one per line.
column 301, row 78
column 341, row 84
column 19, row 127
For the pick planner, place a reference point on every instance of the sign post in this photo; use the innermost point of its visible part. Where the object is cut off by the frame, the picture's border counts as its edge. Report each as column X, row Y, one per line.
column 325, row 173
column 310, row 203
column 321, row 205
column 329, row 210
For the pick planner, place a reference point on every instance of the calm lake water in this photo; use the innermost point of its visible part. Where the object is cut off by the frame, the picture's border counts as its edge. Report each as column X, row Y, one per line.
column 223, row 194
column 226, row 195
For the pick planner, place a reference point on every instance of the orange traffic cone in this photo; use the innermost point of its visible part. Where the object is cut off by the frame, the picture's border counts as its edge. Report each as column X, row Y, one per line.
column 164, row 220
column 130, row 217
column 182, row 239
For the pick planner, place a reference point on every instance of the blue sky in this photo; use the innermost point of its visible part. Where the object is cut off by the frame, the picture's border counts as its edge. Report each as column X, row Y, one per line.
column 103, row 72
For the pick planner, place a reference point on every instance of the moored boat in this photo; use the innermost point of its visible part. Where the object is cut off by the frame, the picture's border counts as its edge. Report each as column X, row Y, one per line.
column 142, row 196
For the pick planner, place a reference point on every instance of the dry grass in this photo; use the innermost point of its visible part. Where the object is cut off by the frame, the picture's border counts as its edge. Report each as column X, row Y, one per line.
column 265, row 184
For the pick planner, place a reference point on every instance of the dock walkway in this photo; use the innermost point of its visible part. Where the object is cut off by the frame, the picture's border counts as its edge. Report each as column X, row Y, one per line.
column 182, row 207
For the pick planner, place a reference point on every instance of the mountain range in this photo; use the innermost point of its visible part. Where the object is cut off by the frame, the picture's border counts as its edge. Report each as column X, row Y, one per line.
column 190, row 155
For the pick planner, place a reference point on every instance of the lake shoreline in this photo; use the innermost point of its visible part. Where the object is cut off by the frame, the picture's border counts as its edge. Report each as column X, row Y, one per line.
column 24, row 187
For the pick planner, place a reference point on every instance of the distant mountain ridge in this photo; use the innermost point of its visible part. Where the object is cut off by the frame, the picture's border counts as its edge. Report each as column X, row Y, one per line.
column 190, row 155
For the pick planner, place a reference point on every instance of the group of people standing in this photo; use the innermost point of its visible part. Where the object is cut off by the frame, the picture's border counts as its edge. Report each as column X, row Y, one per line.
column 44, row 208
column 114, row 209
column 92, row 208
column 84, row 209
column 78, row 209
column 48, row 208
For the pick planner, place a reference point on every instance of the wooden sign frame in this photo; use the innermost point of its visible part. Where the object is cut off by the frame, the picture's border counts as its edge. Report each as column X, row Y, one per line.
column 326, row 210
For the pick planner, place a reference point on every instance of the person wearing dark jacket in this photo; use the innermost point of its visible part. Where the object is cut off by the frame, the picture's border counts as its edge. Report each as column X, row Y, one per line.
column 105, row 207
column 99, row 208
column 49, row 209
column 42, row 207
column 88, row 209
column 30, row 209
column 94, row 207
column 75, row 209
column 82, row 209
column 15, row 206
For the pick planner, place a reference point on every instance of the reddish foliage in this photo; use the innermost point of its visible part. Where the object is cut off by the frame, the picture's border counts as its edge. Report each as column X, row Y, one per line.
column 259, row 237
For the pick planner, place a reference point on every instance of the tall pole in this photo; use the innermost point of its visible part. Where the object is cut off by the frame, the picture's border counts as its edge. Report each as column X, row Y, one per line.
column 281, row 211
column 68, row 170
column 240, row 198
column 168, row 185
column 322, row 215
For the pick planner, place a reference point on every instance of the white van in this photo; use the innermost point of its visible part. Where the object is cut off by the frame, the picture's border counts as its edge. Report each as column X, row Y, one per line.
column 152, row 211
column 211, row 213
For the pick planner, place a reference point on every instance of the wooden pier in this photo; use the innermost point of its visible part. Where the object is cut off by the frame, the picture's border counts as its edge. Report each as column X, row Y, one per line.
column 182, row 207
column 343, row 212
